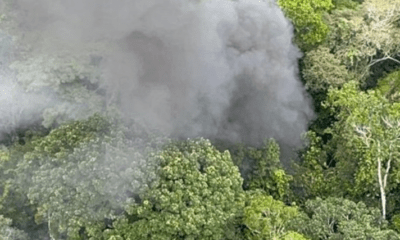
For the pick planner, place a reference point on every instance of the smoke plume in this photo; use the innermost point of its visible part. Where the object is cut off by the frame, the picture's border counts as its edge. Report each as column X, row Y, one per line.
column 219, row 69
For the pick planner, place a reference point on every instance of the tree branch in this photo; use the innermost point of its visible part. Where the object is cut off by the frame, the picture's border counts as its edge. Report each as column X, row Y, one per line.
column 386, row 121
column 363, row 131
column 379, row 60
column 386, row 173
column 385, row 58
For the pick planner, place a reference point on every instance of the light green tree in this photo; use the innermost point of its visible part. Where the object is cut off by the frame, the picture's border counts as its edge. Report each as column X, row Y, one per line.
column 306, row 16
column 33, row 172
column 7, row 232
column 266, row 218
column 75, row 180
column 323, row 70
column 364, row 37
column 198, row 193
column 361, row 45
column 338, row 218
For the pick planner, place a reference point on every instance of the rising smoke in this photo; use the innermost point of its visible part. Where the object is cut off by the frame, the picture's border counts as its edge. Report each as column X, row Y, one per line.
column 219, row 69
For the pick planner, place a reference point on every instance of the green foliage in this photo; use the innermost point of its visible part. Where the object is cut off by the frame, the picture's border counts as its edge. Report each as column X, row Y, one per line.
column 4, row 161
column 361, row 45
column 266, row 218
column 365, row 112
column 31, row 163
column 293, row 236
column 93, row 183
column 313, row 175
column 396, row 222
column 363, row 140
column 363, row 39
column 338, row 218
column 306, row 16
column 9, row 233
column 347, row 164
column 96, row 179
column 261, row 168
column 269, row 174
column 389, row 86
column 323, row 70
column 85, row 174
column 14, row 204
column 345, row 4
column 197, row 194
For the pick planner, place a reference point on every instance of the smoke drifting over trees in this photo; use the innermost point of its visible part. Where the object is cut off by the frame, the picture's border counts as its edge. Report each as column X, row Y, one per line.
column 217, row 69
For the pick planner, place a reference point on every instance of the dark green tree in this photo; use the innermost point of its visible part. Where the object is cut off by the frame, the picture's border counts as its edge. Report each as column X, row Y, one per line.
column 389, row 86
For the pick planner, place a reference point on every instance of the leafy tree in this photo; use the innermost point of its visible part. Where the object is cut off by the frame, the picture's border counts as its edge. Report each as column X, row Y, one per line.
column 24, row 163
column 363, row 39
column 369, row 135
column 360, row 159
column 306, row 16
column 197, row 194
column 314, row 175
column 14, row 204
column 338, row 218
column 269, row 174
column 396, row 222
column 76, row 193
column 346, row 4
column 79, row 177
column 389, row 86
column 323, row 70
column 9, row 233
column 261, row 167
column 266, row 218
column 384, row 146
column 360, row 45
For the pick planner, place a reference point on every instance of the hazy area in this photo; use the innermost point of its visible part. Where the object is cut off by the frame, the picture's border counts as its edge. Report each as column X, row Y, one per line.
column 218, row 69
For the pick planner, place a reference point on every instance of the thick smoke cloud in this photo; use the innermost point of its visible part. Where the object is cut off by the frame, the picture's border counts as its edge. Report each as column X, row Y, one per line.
column 219, row 69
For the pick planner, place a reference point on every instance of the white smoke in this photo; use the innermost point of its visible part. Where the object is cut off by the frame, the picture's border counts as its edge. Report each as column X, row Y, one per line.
column 218, row 69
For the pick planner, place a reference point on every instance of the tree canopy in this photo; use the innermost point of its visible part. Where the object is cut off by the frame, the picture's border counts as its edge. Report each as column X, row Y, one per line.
column 82, row 172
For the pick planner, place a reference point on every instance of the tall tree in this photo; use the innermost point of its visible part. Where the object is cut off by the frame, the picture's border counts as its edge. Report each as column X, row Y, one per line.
column 384, row 145
column 364, row 38
column 364, row 140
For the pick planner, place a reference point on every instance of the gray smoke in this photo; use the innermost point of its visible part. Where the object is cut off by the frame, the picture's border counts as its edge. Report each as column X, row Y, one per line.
column 219, row 69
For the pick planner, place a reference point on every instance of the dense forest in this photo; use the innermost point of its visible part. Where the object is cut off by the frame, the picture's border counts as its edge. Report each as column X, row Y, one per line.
column 78, row 166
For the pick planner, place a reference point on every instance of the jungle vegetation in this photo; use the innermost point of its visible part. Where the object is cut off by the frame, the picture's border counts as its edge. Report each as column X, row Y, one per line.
column 56, row 180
